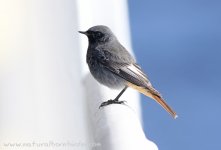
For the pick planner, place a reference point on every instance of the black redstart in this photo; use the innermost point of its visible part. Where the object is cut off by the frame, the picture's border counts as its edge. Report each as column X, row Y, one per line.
column 112, row 65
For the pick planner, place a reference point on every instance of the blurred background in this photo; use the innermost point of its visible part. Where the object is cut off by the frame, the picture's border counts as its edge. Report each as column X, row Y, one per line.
column 178, row 44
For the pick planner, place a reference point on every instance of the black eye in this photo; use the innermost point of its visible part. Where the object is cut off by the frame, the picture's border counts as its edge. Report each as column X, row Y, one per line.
column 98, row 35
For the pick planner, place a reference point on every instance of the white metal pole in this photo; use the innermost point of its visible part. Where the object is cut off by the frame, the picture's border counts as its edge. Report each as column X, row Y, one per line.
column 41, row 99
column 115, row 127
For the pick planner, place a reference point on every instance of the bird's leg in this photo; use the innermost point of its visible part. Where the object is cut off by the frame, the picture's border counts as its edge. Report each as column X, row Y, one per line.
column 119, row 95
column 116, row 100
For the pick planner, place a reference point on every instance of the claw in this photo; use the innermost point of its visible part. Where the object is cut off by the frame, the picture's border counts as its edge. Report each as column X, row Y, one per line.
column 111, row 102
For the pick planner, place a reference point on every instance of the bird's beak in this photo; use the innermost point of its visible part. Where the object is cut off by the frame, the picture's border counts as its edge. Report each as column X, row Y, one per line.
column 83, row 32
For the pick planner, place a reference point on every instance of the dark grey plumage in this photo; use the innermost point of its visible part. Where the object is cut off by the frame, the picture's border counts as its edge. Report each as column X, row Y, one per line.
column 113, row 66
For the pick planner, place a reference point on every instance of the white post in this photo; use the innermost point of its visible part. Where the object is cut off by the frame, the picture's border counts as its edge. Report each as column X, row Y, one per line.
column 115, row 127
column 42, row 103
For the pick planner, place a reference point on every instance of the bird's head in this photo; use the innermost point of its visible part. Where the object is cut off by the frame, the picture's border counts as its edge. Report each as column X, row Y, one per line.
column 99, row 34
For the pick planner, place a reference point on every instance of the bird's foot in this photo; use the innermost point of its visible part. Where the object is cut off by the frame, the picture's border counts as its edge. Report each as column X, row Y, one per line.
column 111, row 102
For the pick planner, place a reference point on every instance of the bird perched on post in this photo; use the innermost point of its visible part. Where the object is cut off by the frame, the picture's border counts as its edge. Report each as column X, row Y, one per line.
column 113, row 66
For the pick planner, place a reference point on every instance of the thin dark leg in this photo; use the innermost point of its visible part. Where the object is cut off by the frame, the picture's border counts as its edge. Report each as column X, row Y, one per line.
column 119, row 95
column 116, row 100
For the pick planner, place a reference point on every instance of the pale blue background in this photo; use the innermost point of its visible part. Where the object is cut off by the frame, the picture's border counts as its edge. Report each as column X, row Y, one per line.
column 178, row 43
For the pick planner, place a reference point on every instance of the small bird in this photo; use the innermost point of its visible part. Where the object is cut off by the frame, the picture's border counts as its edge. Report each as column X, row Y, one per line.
column 113, row 66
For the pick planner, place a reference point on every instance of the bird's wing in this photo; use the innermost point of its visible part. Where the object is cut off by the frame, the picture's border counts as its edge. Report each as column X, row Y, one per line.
column 135, row 76
column 125, row 67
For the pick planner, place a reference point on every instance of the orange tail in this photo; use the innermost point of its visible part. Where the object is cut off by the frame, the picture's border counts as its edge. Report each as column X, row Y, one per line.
column 157, row 98
column 161, row 101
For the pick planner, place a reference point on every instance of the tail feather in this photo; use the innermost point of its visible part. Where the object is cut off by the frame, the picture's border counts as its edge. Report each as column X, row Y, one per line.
column 156, row 97
column 161, row 101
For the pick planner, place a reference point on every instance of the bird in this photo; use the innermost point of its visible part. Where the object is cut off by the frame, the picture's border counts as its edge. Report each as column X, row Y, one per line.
column 113, row 66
